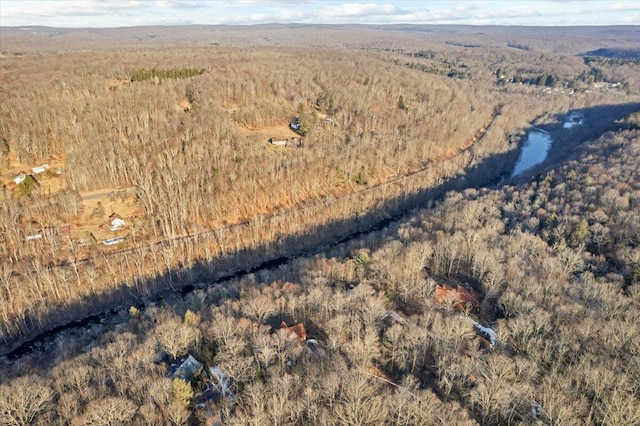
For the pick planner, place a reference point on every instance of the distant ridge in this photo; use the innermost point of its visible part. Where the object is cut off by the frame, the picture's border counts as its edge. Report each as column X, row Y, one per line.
column 614, row 53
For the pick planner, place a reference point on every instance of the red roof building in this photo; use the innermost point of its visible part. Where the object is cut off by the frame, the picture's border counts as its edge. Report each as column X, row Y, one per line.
column 297, row 329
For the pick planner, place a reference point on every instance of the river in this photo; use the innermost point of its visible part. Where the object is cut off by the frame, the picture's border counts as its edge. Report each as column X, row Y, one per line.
column 534, row 151
column 536, row 147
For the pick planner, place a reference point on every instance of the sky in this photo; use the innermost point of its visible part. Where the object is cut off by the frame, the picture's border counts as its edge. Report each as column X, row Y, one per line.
column 126, row 13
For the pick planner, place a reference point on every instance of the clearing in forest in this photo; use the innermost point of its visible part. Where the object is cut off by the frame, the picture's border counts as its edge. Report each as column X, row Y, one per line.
column 264, row 134
column 96, row 209
column 48, row 173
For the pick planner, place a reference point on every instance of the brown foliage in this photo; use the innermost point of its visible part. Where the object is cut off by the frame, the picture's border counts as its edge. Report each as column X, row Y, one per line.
column 556, row 257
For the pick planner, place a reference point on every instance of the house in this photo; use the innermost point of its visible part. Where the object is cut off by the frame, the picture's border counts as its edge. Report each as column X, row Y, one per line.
column 279, row 142
column 40, row 169
column 285, row 142
column 215, row 385
column 188, row 369
column 20, row 178
column 485, row 336
column 297, row 329
column 462, row 297
column 116, row 222
column 210, row 384
column 112, row 241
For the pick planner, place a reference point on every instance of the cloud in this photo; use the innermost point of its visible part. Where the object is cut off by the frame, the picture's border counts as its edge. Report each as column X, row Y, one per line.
column 71, row 8
column 632, row 19
column 417, row 15
column 367, row 13
column 273, row 1
column 351, row 10
column 162, row 21
column 283, row 16
column 181, row 4
column 317, row 13
column 93, row 7
column 170, row 12
column 508, row 13
column 93, row 13
column 623, row 6
column 532, row 13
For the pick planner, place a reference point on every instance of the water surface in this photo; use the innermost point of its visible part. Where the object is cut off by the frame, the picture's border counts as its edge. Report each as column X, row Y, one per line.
column 533, row 152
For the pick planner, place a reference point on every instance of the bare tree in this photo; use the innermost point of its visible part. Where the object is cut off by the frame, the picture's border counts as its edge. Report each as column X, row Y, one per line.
column 25, row 399
column 108, row 411
column 360, row 402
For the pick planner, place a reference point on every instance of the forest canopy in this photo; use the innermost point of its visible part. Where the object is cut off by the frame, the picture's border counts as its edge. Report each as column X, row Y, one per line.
column 326, row 227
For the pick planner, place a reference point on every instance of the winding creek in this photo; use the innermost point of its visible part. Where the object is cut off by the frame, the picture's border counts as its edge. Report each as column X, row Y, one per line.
column 534, row 151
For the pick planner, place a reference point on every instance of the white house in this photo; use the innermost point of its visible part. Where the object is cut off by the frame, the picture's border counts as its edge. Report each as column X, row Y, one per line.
column 20, row 178
column 278, row 142
column 112, row 241
column 117, row 223
column 40, row 169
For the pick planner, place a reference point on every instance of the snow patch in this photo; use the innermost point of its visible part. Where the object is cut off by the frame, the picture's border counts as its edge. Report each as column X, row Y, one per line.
column 489, row 332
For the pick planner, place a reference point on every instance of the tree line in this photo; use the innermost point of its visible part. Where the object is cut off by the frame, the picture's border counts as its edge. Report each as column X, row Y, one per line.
column 142, row 74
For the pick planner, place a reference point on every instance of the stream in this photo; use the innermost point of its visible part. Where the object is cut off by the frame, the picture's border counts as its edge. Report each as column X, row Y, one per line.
column 534, row 151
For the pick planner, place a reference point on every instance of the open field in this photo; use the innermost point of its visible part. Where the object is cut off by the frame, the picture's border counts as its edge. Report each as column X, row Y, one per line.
column 263, row 135
column 49, row 180
column 93, row 218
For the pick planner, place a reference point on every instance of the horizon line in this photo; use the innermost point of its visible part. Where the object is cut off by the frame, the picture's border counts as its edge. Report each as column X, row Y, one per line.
column 321, row 24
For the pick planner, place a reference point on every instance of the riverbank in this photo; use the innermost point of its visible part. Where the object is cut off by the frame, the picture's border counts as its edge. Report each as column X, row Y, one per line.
column 412, row 194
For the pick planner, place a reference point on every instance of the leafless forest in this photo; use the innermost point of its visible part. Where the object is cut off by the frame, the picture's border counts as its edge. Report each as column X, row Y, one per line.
column 168, row 131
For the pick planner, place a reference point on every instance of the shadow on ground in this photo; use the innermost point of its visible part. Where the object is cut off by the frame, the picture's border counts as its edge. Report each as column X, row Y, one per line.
column 109, row 308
